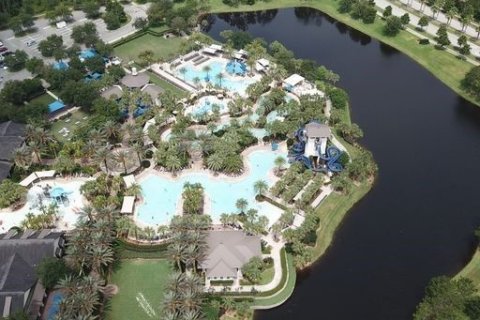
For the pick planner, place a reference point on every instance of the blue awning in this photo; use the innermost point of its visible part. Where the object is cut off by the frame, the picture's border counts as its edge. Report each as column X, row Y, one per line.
column 55, row 106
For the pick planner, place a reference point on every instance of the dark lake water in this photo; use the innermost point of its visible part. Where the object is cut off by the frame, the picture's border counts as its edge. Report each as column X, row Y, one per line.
column 419, row 219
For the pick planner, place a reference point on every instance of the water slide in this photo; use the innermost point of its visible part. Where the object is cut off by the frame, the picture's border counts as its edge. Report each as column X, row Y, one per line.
column 331, row 157
column 306, row 161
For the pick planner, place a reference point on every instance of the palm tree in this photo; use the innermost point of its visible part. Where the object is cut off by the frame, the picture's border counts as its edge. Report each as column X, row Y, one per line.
column 196, row 81
column 279, row 163
column 173, row 163
column 224, row 219
column 241, row 204
column 124, row 225
column 162, row 230
column 101, row 256
column 147, row 56
column 29, row 132
column 216, row 161
column 110, row 130
column 37, row 150
column 121, row 156
column 102, row 155
column 183, row 72
column 220, row 76
column 138, row 148
column 149, row 233
column 175, row 252
column 260, row 187
column 134, row 190
column 22, row 157
column 188, row 256
column 207, row 69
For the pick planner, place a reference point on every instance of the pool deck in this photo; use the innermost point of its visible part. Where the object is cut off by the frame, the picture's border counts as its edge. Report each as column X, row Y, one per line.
column 67, row 216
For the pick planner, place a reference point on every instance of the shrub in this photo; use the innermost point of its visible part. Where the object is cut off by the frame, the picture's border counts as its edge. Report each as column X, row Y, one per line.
column 11, row 193
column 424, row 41
column 339, row 98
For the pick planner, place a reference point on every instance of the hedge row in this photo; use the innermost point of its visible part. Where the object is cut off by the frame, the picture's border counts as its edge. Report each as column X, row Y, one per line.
column 139, row 34
column 129, row 250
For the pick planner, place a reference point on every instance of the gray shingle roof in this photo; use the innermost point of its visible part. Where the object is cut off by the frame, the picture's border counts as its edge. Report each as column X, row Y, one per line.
column 20, row 254
column 153, row 90
column 112, row 91
column 11, row 137
column 317, row 130
column 136, row 81
column 228, row 251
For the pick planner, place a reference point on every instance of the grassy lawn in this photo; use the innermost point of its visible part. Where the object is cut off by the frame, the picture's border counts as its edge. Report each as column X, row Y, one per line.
column 164, row 49
column 69, row 123
column 140, row 284
column 167, row 85
column 287, row 289
column 443, row 65
column 44, row 99
column 472, row 270
column 265, row 277
column 332, row 211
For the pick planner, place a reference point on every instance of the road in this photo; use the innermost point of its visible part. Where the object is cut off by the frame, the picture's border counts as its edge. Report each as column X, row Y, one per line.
column 430, row 29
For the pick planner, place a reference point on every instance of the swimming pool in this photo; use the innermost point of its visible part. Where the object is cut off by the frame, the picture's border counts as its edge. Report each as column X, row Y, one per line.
column 205, row 105
column 237, row 84
column 161, row 195
column 57, row 297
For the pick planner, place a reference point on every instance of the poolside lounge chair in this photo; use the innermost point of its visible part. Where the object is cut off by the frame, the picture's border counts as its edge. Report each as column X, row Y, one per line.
column 197, row 58
column 190, row 56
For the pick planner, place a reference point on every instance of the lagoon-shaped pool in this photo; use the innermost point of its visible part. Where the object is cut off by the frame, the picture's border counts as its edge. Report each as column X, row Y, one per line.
column 162, row 194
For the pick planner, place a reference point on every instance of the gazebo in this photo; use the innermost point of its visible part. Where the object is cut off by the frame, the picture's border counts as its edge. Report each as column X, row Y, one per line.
column 135, row 81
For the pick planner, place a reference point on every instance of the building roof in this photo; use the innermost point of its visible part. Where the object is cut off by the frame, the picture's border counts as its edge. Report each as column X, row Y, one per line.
column 317, row 130
column 20, row 254
column 294, row 79
column 216, row 47
column 228, row 251
column 264, row 62
column 112, row 91
column 10, row 128
column 55, row 106
column 11, row 138
column 5, row 167
column 32, row 177
column 153, row 90
column 135, row 81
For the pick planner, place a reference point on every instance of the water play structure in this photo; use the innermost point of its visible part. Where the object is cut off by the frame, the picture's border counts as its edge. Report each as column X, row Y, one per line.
column 236, row 67
column 311, row 148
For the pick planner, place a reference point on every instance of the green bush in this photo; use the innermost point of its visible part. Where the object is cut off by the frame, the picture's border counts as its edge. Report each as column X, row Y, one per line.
column 11, row 193
column 424, row 41
column 339, row 98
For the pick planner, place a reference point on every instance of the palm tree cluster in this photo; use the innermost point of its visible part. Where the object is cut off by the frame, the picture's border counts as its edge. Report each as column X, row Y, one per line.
column 184, row 294
column 193, row 198
column 222, row 150
column 81, row 298
column 183, row 297
column 90, row 255
column 253, row 223
column 105, row 191
column 44, row 220
column 39, row 142
column 188, row 245
column 172, row 155
column 89, row 250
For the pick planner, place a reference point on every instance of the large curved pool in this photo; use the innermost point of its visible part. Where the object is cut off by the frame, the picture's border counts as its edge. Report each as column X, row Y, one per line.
column 161, row 194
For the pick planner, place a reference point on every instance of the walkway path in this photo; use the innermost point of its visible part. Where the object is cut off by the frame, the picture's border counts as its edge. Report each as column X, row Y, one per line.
column 442, row 18
column 431, row 29
column 156, row 68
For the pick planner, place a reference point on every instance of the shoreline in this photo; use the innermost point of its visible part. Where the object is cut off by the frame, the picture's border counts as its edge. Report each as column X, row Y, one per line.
column 403, row 42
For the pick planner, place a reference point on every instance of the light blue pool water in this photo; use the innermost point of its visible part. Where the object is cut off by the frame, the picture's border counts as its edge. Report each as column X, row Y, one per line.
column 237, row 85
column 236, row 67
column 205, row 105
column 161, row 195
column 55, row 306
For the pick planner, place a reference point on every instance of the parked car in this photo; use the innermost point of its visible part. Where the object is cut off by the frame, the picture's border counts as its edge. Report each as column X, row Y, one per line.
column 31, row 43
column 7, row 53
column 3, row 49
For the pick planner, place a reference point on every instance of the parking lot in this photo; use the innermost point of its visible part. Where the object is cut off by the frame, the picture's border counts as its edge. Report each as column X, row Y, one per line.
column 45, row 29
